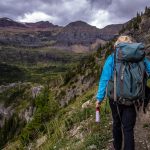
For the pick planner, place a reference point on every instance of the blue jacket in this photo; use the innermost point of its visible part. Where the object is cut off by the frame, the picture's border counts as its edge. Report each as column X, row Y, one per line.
column 107, row 73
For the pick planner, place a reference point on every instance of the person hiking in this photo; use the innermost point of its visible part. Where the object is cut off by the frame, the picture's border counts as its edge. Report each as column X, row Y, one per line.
column 124, row 78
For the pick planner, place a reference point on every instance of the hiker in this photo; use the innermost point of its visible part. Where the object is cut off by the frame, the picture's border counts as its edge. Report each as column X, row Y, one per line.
column 124, row 77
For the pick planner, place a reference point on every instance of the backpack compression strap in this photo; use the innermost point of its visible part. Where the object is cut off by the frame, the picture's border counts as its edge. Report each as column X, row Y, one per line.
column 115, row 78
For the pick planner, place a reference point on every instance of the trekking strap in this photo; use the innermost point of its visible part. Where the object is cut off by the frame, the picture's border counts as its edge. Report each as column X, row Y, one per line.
column 115, row 78
column 119, row 115
column 115, row 93
column 106, row 101
column 121, row 124
column 115, row 88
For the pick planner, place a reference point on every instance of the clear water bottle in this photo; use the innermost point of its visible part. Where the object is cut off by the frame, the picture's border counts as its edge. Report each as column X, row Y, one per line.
column 97, row 114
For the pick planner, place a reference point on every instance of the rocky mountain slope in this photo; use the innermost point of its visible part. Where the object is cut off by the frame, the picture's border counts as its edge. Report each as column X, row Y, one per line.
column 6, row 22
column 139, row 29
column 45, row 33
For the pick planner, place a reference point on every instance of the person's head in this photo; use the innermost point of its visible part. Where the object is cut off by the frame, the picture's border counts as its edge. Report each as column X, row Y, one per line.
column 124, row 39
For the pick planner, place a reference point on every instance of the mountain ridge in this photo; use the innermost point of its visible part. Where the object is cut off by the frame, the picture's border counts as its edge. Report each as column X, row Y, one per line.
column 43, row 33
column 30, row 24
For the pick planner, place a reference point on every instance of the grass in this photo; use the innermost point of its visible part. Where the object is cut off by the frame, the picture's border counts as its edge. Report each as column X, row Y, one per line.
column 59, row 127
column 35, row 64
column 48, row 119
column 73, row 115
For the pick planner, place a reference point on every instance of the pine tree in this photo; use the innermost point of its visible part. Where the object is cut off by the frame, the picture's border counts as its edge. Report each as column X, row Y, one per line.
column 138, row 18
column 147, row 11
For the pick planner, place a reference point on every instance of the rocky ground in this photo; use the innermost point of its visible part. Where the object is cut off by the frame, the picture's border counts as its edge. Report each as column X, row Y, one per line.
column 142, row 131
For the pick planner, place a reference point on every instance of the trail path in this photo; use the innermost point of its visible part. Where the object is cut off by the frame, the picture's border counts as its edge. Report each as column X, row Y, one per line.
column 142, row 132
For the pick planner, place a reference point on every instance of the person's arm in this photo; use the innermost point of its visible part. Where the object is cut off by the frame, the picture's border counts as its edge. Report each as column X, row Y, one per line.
column 104, row 78
column 147, row 65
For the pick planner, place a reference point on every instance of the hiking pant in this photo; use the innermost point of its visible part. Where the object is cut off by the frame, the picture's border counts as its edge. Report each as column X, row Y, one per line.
column 128, row 119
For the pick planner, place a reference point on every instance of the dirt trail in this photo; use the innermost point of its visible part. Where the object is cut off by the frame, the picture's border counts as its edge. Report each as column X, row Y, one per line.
column 142, row 132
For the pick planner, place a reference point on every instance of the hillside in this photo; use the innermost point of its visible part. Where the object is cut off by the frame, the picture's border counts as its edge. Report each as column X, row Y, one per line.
column 61, row 112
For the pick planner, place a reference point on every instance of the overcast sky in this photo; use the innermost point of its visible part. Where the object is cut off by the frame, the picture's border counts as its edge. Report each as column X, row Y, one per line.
column 61, row 12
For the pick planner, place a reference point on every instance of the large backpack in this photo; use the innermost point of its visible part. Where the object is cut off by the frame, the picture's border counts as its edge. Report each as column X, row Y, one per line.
column 127, row 85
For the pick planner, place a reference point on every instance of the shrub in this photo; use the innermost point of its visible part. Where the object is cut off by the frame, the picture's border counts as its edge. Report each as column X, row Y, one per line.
column 46, row 108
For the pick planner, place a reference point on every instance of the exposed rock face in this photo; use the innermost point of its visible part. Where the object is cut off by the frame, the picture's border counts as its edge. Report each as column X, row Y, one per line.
column 26, row 113
column 5, row 113
column 81, row 83
column 77, row 90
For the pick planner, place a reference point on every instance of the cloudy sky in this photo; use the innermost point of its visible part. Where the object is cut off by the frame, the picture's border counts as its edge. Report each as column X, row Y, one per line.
column 95, row 12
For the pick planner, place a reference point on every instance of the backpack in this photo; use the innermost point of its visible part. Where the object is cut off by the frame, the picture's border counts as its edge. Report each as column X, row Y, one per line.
column 127, row 84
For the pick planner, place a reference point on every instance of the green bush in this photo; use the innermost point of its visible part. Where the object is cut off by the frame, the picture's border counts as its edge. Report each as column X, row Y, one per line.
column 46, row 109
column 12, row 127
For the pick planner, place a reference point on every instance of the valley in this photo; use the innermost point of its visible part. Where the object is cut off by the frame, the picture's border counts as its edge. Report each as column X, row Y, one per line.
column 48, row 80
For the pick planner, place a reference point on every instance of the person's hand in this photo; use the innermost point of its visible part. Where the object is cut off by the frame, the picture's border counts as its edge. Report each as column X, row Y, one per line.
column 98, row 104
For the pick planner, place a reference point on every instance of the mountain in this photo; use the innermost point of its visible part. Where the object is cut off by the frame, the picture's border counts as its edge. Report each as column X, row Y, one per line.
column 41, row 24
column 111, row 29
column 39, row 81
column 59, row 113
column 78, row 24
column 76, row 34
column 6, row 22
column 80, row 32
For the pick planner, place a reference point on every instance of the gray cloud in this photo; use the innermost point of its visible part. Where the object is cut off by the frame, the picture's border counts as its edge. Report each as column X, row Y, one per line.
column 95, row 12
column 102, row 4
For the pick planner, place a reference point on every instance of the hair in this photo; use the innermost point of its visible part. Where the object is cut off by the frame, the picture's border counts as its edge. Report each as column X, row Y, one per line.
column 124, row 39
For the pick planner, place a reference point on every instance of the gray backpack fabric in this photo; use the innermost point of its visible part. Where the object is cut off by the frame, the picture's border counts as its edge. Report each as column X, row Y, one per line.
column 130, row 74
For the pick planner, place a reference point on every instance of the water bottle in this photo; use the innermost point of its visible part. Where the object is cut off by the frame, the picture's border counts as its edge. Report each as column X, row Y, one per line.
column 97, row 114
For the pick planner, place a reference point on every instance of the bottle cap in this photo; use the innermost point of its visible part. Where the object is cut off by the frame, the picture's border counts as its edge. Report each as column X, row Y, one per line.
column 97, row 108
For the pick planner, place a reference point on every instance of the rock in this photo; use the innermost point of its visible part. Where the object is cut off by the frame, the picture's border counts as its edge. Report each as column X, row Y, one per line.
column 36, row 91
column 29, row 113
column 40, row 141
column 92, row 147
column 5, row 113
column 82, row 84
column 4, row 88
column 86, row 104
column 76, row 132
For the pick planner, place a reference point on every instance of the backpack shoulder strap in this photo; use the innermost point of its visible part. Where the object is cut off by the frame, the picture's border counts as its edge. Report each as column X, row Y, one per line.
column 115, row 77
